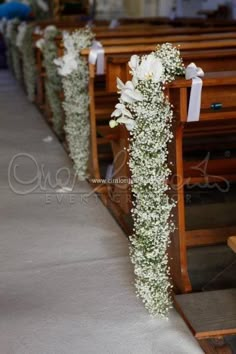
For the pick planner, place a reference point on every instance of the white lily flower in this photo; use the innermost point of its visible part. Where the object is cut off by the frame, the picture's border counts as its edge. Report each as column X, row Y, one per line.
column 124, row 117
column 134, row 62
column 113, row 123
column 40, row 43
column 121, row 111
column 68, row 42
column 66, row 64
column 128, row 92
column 129, row 123
column 150, row 68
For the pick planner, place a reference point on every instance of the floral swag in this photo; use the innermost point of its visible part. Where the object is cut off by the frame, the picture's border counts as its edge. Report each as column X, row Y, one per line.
column 147, row 114
column 74, row 71
column 19, row 42
column 9, row 31
column 26, row 47
column 53, row 85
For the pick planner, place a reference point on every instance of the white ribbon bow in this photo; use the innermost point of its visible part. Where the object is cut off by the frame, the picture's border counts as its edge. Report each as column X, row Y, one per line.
column 194, row 73
column 96, row 55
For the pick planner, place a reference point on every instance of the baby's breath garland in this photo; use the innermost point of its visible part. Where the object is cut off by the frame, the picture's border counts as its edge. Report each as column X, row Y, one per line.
column 13, row 55
column 12, row 47
column 74, row 71
column 29, row 64
column 53, row 83
column 147, row 113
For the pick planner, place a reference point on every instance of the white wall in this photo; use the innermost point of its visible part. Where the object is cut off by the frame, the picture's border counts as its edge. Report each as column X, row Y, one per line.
column 164, row 7
column 148, row 8
column 133, row 8
column 109, row 9
column 191, row 7
column 212, row 4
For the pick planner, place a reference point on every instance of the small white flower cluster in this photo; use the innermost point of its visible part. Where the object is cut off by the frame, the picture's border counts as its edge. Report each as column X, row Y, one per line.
column 19, row 42
column 75, row 77
column 147, row 113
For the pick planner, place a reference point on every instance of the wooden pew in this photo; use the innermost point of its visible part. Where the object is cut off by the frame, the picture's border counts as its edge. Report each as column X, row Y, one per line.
column 210, row 315
column 178, row 93
column 214, row 82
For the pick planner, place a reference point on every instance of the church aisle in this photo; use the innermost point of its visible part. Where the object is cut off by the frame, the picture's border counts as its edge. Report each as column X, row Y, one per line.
column 66, row 282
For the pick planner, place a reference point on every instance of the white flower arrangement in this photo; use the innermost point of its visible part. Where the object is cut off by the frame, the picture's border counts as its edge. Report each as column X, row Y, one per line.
column 53, row 85
column 13, row 54
column 40, row 44
column 21, row 33
column 74, row 71
column 147, row 113
column 28, row 58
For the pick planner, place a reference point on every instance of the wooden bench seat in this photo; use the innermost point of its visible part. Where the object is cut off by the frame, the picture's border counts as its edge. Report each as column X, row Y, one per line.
column 209, row 314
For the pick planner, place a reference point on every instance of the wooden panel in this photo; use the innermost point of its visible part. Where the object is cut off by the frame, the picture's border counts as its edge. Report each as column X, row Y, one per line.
column 209, row 314
column 209, row 236
column 225, row 95
column 206, row 169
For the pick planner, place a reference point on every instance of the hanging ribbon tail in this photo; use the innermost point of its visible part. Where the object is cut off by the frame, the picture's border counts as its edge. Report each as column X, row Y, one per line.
column 114, row 24
column 96, row 55
column 194, row 73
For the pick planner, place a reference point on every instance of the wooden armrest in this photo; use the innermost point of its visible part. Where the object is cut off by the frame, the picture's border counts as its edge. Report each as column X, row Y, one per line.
column 232, row 243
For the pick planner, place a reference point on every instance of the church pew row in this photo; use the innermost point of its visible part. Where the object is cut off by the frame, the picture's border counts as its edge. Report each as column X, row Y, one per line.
column 205, row 39
column 156, row 21
column 143, row 32
column 117, row 51
column 101, row 35
column 137, row 29
column 100, row 112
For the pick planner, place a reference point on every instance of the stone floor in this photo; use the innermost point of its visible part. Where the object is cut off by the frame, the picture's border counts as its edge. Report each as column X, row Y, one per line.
column 66, row 282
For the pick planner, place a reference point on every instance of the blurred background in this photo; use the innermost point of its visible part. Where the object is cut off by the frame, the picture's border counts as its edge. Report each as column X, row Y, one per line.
column 165, row 8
